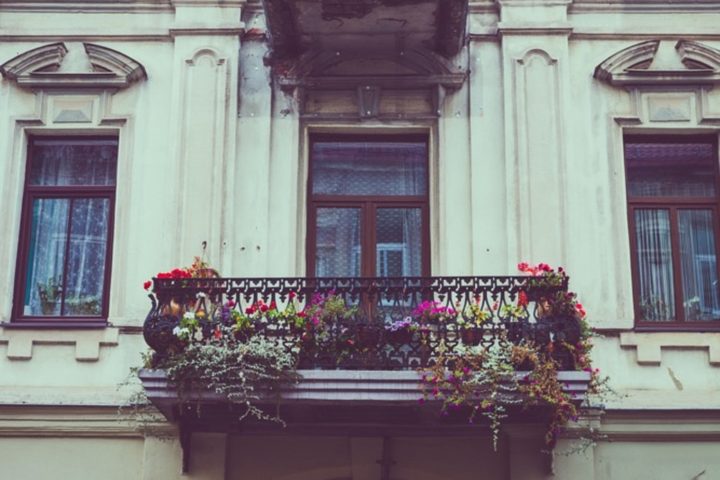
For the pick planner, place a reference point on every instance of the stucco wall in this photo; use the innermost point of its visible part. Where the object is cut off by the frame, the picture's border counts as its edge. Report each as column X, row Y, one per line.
column 526, row 164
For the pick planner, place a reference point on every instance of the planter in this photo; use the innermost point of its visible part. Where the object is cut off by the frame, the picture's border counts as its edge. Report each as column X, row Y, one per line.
column 367, row 337
column 402, row 336
column 158, row 333
column 471, row 336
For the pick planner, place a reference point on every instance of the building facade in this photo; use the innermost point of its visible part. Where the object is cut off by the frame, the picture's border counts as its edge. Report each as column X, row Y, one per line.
column 370, row 138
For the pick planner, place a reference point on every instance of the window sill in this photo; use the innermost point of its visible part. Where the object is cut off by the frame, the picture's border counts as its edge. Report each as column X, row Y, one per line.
column 678, row 327
column 22, row 337
column 650, row 345
column 54, row 324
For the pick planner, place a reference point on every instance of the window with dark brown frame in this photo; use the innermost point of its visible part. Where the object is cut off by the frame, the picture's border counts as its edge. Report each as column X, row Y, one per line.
column 672, row 189
column 368, row 206
column 63, row 270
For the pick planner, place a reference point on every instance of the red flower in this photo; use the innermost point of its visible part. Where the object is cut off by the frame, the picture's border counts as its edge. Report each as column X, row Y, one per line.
column 147, row 285
column 217, row 334
column 522, row 299
column 292, row 295
column 523, row 266
column 302, row 314
column 263, row 308
column 273, row 305
column 250, row 310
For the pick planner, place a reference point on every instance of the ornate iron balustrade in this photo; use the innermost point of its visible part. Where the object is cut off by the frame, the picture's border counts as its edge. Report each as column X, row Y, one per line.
column 362, row 336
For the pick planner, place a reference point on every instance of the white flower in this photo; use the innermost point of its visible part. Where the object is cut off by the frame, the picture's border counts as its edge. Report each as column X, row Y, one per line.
column 201, row 295
column 189, row 316
column 198, row 335
column 176, row 331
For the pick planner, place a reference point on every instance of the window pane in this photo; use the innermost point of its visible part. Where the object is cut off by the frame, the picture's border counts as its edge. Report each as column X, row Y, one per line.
column 337, row 249
column 670, row 169
column 68, row 162
column 86, row 261
column 46, row 259
column 398, row 234
column 699, row 267
column 369, row 168
column 652, row 234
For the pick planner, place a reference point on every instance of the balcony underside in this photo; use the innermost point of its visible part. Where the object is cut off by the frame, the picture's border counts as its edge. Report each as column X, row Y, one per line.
column 338, row 401
column 380, row 25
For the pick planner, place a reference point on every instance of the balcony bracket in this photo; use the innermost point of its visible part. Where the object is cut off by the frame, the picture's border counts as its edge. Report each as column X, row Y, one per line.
column 186, row 445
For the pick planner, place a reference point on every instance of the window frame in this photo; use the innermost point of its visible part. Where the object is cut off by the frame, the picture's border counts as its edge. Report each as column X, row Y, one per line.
column 673, row 205
column 367, row 204
column 32, row 192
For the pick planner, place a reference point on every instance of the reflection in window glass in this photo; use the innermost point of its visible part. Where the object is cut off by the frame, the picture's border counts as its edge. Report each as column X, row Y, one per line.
column 670, row 169
column 369, row 168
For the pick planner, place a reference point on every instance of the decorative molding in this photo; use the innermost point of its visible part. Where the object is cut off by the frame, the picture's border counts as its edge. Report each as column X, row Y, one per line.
column 640, row 65
column 203, row 126
column 537, row 143
column 412, row 72
column 40, row 58
column 649, row 346
column 42, row 68
column 87, row 342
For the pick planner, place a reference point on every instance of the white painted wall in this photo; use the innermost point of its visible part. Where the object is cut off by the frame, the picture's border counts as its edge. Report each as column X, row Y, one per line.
column 527, row 166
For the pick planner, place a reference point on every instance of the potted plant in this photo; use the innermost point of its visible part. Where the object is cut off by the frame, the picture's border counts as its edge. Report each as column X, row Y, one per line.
column 400, row 332
column 50, row 293
column 470, row 322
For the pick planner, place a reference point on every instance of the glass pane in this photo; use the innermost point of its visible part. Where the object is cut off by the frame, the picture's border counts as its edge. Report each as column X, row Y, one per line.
column 369, row 168
column 398, row 234
column 72, row 162
column 670, row 169
column 652, row 233
column 86, row 256
column 46, row 258
column 699, row 265
column 337, row 251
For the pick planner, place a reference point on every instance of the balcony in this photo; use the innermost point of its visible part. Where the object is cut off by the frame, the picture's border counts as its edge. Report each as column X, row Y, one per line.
column 366, row 341
column 361, row 368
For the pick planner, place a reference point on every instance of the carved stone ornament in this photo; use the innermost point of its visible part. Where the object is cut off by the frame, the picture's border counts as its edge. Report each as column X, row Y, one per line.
column 659, row 63
column 370, row 84
column 92, row 66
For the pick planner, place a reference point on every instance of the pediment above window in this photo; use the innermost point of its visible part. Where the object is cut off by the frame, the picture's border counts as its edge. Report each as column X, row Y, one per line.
column 75, row 65
column 660, row 63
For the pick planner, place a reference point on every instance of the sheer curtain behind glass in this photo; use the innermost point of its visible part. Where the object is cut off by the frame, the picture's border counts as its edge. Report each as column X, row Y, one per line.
column 657, row 298
column 68, row 231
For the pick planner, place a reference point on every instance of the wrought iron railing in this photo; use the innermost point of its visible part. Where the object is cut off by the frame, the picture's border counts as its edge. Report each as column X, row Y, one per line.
column 459, row 312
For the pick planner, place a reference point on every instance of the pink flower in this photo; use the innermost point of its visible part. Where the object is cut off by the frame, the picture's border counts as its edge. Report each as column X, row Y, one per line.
column 523, row 266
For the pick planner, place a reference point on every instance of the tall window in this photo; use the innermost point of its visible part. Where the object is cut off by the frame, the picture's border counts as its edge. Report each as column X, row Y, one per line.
column 672, row 186
column 368, row 206
column 64, row 253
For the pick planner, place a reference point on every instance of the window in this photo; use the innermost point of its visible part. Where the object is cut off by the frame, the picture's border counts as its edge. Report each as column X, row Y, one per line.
column 66, row 230
column 672, row 186
column 368, row 206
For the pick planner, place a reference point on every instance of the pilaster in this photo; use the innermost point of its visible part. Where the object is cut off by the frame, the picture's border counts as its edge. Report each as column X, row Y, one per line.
column 535, row 63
